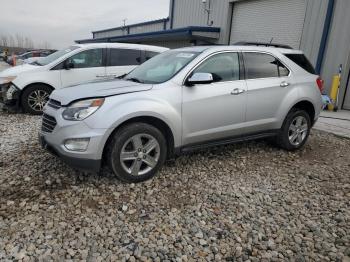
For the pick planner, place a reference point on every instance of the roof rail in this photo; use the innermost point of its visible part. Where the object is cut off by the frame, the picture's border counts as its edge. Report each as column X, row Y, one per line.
column 264, row 44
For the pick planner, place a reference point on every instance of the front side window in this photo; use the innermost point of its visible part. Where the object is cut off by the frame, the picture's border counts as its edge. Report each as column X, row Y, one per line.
column 258, row 65
column 163, row 67
column 87, row 58
column 54, row 56
column 124, row 57
column 223, row 67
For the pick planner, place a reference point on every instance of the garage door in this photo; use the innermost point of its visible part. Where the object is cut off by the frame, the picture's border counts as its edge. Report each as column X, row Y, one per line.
column 260, row 20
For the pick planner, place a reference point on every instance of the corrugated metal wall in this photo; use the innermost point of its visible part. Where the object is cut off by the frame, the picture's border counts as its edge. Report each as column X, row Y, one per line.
column 192, row 13
column 117, row 32
column 153, row 27
column 313, row 28
column 338, row 48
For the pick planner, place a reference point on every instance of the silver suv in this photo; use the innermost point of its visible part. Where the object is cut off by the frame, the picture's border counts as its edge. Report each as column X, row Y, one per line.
column 181, row 100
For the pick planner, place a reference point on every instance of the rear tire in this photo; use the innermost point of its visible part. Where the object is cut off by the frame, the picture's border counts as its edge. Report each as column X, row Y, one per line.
column 136, row 152
column 295, row 130
column 34, row 98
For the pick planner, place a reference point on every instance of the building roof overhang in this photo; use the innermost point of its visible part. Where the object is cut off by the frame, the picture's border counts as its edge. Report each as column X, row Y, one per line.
column 185, row 33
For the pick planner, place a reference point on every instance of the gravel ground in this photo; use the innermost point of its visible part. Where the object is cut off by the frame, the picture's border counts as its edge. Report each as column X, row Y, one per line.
column 248, row 201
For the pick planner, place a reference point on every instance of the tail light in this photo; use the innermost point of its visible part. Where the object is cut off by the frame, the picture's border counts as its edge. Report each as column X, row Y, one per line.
column 320, row 83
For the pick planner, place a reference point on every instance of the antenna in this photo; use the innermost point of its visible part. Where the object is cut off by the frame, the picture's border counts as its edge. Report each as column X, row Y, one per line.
column 271, row 40
column 208, row 10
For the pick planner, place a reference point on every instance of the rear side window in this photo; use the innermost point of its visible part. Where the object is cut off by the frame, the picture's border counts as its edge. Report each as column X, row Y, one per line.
column 124, row 57
column 258, row 65
column 150, row 54
column 302, row 61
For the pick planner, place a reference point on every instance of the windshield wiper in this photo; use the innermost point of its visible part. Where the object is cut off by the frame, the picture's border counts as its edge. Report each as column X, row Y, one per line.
column 134, row 79
column 122, row 76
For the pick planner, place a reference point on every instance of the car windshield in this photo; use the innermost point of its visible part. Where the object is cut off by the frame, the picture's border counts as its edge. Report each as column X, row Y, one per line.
column 162, row 67
column 49, row 59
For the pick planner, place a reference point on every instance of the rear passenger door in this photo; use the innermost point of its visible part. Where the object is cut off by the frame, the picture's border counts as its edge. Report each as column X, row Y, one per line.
column 122, row 61
column 268, row 82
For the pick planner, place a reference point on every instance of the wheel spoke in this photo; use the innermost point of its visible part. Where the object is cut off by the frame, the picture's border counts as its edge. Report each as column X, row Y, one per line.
column 135, row 168
column 293, row 127
column 304, row 128
column 150, row 161
column 299, row 122
column 293, row 137
column 300, row 138
column 137, row 142
column 152, row 144
column 128, row 156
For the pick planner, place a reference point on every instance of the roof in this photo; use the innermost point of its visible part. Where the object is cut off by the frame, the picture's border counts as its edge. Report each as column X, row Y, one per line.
column 133, row 25
column 125, row 46
column 239, row 48
column 190, row 32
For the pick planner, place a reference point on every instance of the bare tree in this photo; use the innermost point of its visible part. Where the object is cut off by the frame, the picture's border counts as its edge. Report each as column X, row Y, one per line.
column 11, row 41
column 20, row 40
column 28, row 43
column 4, row 40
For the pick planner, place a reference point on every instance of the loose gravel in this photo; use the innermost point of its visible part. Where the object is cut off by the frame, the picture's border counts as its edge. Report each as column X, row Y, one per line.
column 245, row 202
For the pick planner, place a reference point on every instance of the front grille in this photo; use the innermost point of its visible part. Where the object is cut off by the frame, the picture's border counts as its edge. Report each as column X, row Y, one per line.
column 48, row 123
column 54, row 104
column 3, row 91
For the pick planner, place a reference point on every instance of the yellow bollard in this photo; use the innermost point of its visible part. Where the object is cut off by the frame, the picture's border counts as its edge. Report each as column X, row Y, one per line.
column 334, row 91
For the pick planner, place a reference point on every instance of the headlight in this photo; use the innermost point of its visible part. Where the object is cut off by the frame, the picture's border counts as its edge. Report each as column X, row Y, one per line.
column 7, row 79
column 82, row 109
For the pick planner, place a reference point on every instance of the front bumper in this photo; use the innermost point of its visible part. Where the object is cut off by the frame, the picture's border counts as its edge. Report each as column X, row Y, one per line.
column 53, row 141
column 78, row 163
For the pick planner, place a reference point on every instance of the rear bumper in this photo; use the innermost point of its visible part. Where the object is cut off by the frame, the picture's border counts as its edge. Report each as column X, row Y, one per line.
column 91, row 165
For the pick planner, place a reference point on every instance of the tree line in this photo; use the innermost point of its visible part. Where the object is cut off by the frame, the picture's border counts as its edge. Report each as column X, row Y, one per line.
column 21, row 41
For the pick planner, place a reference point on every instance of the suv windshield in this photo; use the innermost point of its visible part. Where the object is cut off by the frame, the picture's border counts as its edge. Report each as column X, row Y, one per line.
column 162, row 67
column 48, row 59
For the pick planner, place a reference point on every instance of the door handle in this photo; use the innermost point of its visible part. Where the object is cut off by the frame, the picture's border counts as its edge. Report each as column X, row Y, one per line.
column 99, row 76
column 284, row 84
column 237, row 91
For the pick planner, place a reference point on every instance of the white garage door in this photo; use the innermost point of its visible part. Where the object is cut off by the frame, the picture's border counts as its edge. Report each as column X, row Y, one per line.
column 260, row 20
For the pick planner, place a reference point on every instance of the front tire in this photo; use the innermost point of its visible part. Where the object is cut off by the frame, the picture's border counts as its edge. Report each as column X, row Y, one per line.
column 136, row 152
column 295, row 130
column 34, row 99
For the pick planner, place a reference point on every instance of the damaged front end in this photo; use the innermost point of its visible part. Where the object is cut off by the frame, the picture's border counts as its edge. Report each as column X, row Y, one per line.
column 9, row 97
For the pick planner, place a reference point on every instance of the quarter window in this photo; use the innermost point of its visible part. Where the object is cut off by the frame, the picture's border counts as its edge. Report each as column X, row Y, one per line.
column 124, row 57
column 223, row 67
column 88, row 58
column 258, row 65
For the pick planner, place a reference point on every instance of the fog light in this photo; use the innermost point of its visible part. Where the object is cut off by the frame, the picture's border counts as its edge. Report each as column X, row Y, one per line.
column 77, row 144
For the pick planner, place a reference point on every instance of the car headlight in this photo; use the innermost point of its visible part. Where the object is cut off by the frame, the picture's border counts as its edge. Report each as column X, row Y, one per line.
column 7, row 79
column 82, row 109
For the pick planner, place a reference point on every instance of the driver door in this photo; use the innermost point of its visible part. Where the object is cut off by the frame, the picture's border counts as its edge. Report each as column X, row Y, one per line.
column 217, row 110
column 85, row 66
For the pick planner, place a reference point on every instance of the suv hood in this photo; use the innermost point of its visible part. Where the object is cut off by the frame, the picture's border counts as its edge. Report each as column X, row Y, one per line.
column 97, row 89
column 16, row 70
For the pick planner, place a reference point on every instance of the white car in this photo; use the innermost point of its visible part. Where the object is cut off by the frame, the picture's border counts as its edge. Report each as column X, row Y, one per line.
column 28, row 86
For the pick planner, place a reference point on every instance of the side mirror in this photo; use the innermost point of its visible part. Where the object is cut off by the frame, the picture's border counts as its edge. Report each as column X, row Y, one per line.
column 68, row 65
column 200, row 78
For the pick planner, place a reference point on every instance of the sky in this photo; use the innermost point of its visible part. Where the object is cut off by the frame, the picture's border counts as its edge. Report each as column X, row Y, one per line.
column 60, row 22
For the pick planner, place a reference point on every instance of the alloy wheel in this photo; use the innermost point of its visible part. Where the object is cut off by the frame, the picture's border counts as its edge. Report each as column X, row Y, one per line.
column 298, row 130
column 37, row 100
column 140, row 154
